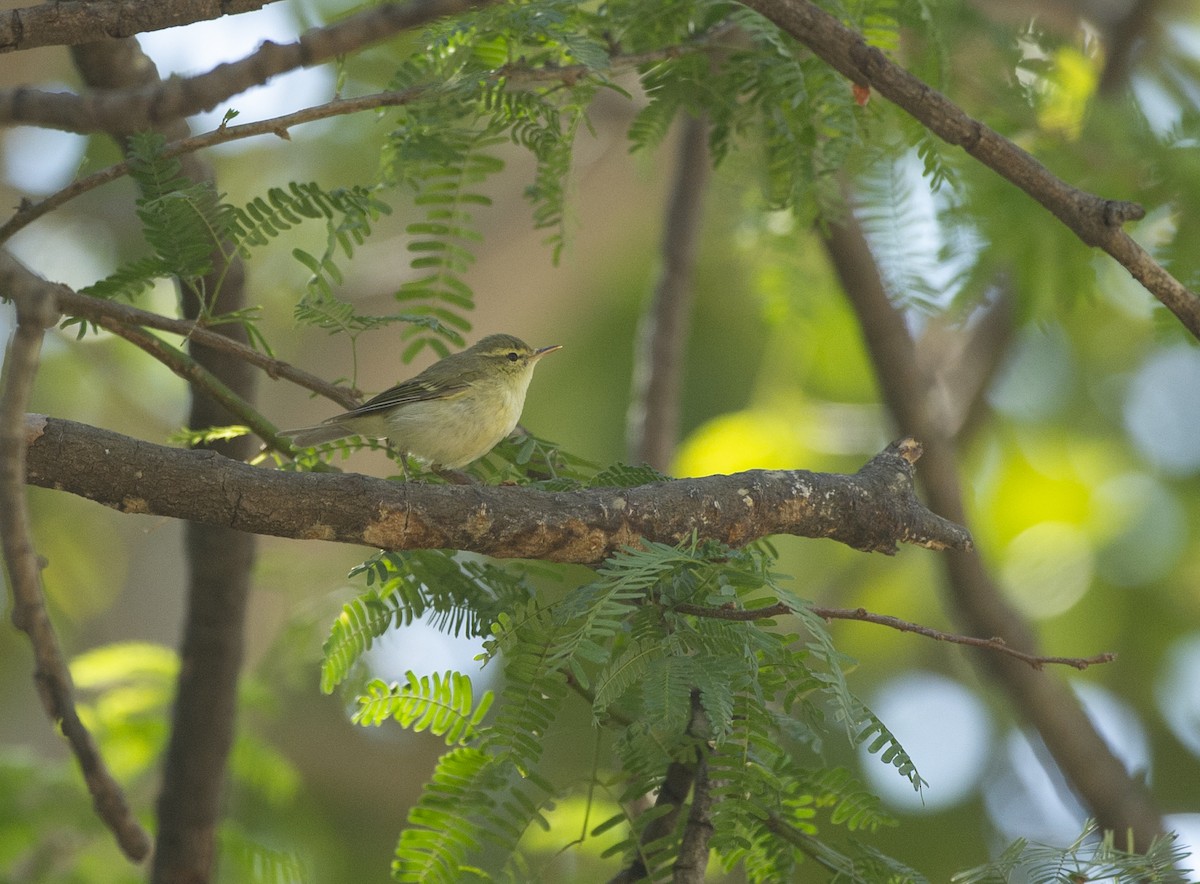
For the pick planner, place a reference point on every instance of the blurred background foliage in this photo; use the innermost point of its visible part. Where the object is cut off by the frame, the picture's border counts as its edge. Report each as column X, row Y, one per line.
column 1081, row 468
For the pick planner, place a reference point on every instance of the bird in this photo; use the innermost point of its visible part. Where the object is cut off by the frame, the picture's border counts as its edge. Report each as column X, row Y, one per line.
column 452, row 413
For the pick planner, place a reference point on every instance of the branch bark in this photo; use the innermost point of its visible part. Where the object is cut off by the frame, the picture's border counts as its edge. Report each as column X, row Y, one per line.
column 872, row 510
column 130, row 110
column 1095, row 220
column 84, row 21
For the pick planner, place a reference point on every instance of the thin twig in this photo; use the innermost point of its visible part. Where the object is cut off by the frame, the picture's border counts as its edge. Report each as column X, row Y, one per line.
column 513, row 76
column 29, row 212
column 200, row 379
column 97, row 310
column 1037, row 661
column 36, row 311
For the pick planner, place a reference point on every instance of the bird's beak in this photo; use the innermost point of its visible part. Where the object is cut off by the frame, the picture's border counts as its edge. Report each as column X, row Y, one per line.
column 542, row 351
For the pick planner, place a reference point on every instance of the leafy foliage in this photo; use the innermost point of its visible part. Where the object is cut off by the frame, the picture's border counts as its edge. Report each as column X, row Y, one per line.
column 1091, row 857
column 186, row 223
column 181, row 222
column 663, row 682
column 441, row 704
column 461, row 595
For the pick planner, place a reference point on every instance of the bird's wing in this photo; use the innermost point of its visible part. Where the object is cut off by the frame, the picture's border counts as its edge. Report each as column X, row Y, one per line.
column 414, row 390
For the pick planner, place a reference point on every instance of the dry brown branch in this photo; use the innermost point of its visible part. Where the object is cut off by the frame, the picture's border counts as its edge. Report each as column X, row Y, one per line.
column 37, row 311
column 1096, row 221
column 218, row 560
column 201, row 381
column 871, row 510
column 998, row 645
column 83, row 21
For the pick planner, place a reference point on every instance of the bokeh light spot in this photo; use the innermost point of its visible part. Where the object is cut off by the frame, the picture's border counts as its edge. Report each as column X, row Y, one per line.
column 1026, row 795
column 1162, row 410
column 1178, row 691
column 1036, row 379
column 1047, row 568
column 1145, row 528
column 949, row 756
column 741, row 440
column 40, row 161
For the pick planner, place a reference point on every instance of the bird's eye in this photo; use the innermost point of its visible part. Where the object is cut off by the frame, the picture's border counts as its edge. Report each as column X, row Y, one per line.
column 512, row 356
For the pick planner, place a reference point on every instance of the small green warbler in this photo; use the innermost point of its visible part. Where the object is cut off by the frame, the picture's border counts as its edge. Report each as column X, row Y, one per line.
column 450, row 414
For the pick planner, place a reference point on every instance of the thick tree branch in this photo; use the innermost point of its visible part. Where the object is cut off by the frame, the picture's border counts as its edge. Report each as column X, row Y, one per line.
column 134, row 110
column 82, row 21
column 37, row 311
column 1096, row 221
column 872, row 510
column 1118, row 801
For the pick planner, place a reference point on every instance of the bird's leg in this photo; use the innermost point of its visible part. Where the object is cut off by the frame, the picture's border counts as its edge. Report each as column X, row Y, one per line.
column 454, row 477
column 399, row 454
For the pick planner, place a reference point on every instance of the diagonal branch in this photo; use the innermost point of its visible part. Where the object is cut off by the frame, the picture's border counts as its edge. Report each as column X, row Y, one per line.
column 133, row 110
column 108, row 313
column 1118, row 801
column 682, row 776
column 202, row 381
column 82, row 21
column 37, row 311
column 1096, row 221
column 872, row 510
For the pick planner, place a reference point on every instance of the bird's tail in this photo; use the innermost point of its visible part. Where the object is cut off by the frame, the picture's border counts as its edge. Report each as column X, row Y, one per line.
column 306, row 437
